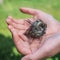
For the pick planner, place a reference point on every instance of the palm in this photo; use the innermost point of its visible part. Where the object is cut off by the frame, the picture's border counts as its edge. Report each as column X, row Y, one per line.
column 20, row 26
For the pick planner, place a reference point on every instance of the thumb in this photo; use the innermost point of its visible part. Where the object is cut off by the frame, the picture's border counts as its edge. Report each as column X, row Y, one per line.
column 28, row 57
column 29, row 11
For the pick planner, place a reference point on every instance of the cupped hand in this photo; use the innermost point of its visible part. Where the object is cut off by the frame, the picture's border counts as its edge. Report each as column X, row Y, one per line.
column 39, row 47
column 51, row 40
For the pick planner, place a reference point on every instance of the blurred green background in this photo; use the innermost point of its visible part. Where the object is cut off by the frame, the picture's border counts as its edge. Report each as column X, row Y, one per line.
column 11, row 7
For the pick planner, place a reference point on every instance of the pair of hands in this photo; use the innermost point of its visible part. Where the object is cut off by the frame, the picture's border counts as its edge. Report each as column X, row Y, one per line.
column 36, row 49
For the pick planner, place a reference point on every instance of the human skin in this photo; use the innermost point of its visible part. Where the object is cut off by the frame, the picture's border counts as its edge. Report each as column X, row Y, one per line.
column 36, row 49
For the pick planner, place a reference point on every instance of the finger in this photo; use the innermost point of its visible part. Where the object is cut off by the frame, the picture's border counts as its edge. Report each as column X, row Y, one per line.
column 17, row 26
column 33, row 11
column 23, row 47
column 28, row 57
column 12, row 30
column 29, row 11
column 47, row 18
column 25, row 58
column 19, row 32
column 21, row 21
column 30, row 20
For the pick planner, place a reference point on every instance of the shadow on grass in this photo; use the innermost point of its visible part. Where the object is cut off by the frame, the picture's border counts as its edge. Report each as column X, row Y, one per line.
column 6, row 49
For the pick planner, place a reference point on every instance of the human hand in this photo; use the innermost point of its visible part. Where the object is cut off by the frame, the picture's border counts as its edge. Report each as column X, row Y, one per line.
column 19, row 27
column 51, row 45
column 48, row 19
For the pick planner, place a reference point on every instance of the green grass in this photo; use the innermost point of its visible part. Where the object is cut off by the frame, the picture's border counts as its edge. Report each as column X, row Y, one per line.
column 11, row 7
